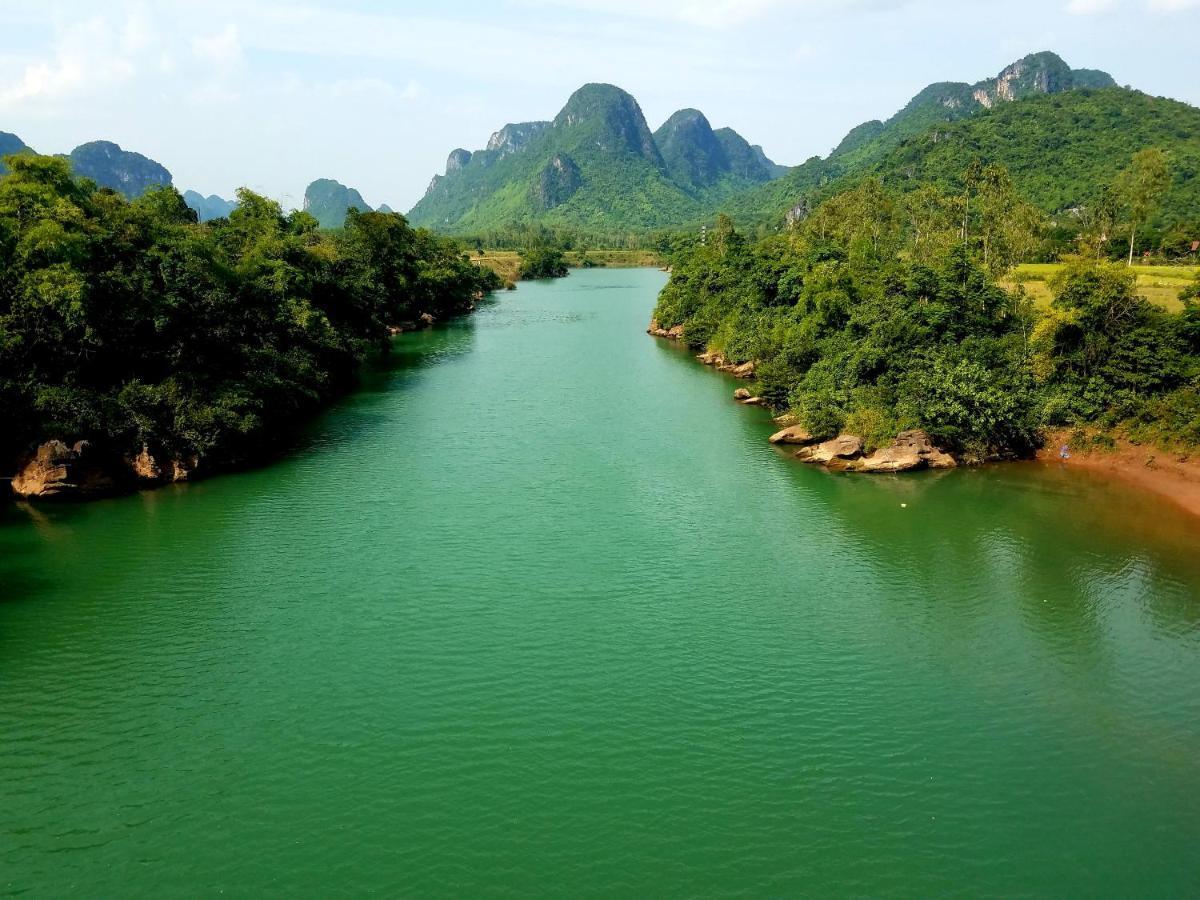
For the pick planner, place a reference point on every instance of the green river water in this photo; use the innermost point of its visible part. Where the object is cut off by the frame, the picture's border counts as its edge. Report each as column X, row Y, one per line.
column 539, row 611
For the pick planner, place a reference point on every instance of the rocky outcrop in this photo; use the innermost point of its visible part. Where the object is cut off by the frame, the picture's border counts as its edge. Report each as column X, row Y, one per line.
column 835, row 453
column 674, row 333
column 737, row 370
column 909, row 451
column 457, row 160
column 793, row 434
column 56, row 471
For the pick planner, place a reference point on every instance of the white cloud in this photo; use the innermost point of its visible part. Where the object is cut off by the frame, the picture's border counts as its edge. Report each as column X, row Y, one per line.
column 222, row 49
column 1096, row 7
column 1091, row 7
column 86, row 58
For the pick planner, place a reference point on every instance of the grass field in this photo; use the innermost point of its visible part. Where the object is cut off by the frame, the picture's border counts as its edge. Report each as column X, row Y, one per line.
column 506, row 263
column 1158, row 284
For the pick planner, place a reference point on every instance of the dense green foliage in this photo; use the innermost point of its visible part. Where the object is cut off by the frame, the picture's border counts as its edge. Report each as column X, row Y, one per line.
column 543, row 262
column 1062, row 151
column 595, row 168
column 129, row 324
column 882, row 312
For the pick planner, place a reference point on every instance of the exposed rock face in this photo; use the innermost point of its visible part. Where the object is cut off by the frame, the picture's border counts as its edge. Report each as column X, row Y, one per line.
column 457, row 159
column 556, row 182
column 56, row 471
column 513, row 137
column 793, row 434
column 145, row 466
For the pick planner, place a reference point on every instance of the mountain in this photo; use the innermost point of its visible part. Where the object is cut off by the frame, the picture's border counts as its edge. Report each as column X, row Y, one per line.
column 211, row 207
column 328, row 201
column 595, row 166
column 9, row 143
column 698, row 157
column 939, row 104
column 1061, row 149
column 122, row 170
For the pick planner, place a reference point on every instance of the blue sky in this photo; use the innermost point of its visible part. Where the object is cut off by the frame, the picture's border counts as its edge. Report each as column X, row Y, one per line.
column 272, row 94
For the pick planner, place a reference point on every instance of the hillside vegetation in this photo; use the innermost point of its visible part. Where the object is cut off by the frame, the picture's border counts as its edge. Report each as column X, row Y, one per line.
column 596, row 167
column 883, row 312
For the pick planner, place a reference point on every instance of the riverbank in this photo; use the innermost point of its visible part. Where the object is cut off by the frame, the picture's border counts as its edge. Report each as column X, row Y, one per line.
column 53, row 469
column 1173, row 476
column 507, row 263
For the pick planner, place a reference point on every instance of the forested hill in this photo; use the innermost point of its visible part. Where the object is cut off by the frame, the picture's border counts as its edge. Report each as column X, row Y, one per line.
column 597, row 167
column 933, row 108
column 1062, row 151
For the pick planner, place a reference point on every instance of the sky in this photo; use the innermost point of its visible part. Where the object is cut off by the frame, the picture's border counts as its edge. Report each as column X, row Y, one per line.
column 271, row 94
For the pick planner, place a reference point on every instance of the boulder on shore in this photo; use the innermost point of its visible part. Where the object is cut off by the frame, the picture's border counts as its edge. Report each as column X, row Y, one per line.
column 741, row 395
column 844, row 453
column 834, row 453
column 910, row 450
column 56, row 471
column 744, row 370
column 674, row 333
column 793, row 434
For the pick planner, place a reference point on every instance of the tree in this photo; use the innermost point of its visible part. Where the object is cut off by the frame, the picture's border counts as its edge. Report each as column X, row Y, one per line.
column 1141, row 187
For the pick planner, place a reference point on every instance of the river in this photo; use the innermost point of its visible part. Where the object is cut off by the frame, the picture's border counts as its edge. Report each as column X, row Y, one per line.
column 539, row 611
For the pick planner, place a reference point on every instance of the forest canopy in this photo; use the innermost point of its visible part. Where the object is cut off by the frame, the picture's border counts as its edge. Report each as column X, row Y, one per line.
column 130, row 324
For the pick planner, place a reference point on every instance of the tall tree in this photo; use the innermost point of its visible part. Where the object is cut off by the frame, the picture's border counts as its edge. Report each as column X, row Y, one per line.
column 1141, row 186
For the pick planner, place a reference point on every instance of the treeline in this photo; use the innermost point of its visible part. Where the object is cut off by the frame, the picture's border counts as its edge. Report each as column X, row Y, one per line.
column 527, row 236
column 131, row 325
column 882, row 311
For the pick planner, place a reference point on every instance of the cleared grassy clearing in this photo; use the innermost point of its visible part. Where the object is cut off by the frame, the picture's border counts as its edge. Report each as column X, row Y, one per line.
column 1158, row 284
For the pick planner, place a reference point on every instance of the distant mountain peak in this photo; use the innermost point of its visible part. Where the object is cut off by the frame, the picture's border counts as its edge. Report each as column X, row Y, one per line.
column 611, row 118
column 1037, row 73
column 9, row 144
column 596, row 164
column 210, row 207
column 329, row 200
column 125, row 171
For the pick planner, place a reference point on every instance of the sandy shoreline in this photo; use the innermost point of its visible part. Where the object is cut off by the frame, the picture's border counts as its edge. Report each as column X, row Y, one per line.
column 1172, row 476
